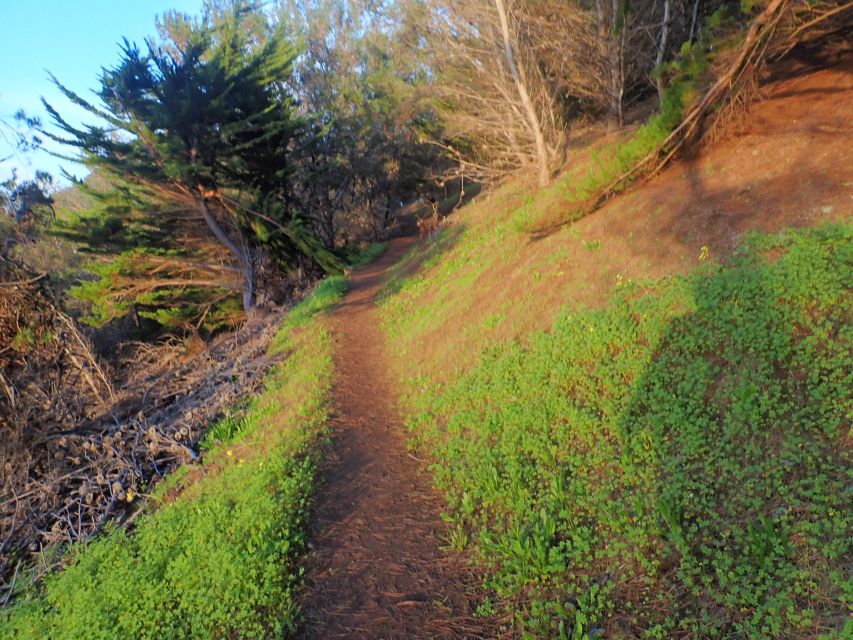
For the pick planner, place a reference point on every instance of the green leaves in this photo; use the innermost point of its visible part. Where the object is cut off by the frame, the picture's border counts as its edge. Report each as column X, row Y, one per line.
column 169, row 288
column 682, row 453
column 201, row 119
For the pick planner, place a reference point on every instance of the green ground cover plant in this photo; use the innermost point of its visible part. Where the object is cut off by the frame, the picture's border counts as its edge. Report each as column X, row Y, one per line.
column 358, row 256
column 218, row 557
column 676, row 464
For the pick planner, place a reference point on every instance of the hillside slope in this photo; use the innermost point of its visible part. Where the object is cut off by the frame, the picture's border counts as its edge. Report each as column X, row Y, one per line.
column 789, row 168
column 631, row 451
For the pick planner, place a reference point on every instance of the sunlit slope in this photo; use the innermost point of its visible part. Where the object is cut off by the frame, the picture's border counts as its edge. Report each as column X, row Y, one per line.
column 641, row 421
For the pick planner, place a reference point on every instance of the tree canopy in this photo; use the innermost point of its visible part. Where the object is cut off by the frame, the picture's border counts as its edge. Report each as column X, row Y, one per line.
column 203, row 122
column 251, row 144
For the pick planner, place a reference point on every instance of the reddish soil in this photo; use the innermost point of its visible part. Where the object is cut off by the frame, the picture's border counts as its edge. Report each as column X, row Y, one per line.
column 790, row 165
column 377, row 569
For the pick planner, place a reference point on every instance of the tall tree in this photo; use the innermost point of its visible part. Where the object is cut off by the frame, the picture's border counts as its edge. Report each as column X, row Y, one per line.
column 496, row 110
column 355, row 80
column 204, row 120
column 542, row 156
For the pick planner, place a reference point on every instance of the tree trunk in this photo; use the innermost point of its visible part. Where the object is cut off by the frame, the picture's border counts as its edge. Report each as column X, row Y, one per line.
column 599, row 19
column 617, row 80
column 386, row 219
column 664, row 34
column 693, row 20
column 250, row 291
column 533, row 120
column 245, row 260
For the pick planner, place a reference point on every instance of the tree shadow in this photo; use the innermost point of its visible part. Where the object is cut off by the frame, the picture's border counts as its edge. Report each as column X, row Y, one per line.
column 735, row 451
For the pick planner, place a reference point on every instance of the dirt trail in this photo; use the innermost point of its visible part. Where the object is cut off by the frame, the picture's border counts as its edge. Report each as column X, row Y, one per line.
column 377, row 570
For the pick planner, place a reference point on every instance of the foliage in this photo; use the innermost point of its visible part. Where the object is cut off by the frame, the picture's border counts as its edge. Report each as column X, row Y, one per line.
column 204, row 121
column 358, row 256
column 499, row 89
column 674, row 464
column 19, row 135
column 26, row 208
column 143, row 260
column 25, row 199
column 327, row 293
column 218, row 557
column 355, row 78
column 104, row 217
column 177, row 293
column 7, row 226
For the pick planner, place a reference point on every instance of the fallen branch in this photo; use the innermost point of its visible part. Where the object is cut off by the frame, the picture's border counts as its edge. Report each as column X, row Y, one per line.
column 91, row 360
column 759, row 31
column 11, row 587
column 24, row 283
column 811, row 24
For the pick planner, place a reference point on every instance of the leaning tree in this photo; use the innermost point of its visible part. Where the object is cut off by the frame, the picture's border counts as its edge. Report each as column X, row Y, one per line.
column 206, row 122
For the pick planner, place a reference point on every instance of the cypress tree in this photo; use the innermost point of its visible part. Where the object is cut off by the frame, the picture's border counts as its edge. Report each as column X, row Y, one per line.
column 206, row 123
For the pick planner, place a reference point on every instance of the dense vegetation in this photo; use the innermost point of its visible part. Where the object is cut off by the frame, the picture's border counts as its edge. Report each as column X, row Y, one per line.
column 202, row 122
column 673, row 463
column 666, row 458
column 232, row 155
column 218, row 555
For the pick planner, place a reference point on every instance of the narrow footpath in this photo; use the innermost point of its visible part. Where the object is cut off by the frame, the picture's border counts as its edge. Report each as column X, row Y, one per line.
column 376, row 569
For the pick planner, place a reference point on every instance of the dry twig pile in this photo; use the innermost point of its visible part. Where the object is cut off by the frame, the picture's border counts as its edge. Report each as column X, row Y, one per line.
column 76, row 451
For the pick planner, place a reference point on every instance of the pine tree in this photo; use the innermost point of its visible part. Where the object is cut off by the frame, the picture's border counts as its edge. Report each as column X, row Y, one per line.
column 149, row 261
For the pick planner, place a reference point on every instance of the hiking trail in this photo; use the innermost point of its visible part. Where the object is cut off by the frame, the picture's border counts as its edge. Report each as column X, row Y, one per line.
column 376, row 569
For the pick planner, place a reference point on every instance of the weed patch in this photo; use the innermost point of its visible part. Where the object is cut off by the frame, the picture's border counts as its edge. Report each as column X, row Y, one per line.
column 675, row 464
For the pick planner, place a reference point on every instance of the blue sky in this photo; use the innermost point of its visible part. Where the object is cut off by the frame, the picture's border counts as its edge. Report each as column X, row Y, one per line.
column 72, row 40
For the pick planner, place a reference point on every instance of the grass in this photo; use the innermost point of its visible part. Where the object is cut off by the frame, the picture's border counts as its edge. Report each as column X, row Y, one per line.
column 574, row 190
column 478, row 269
column 673, row 463
column 358, row 256
column 220, row 559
